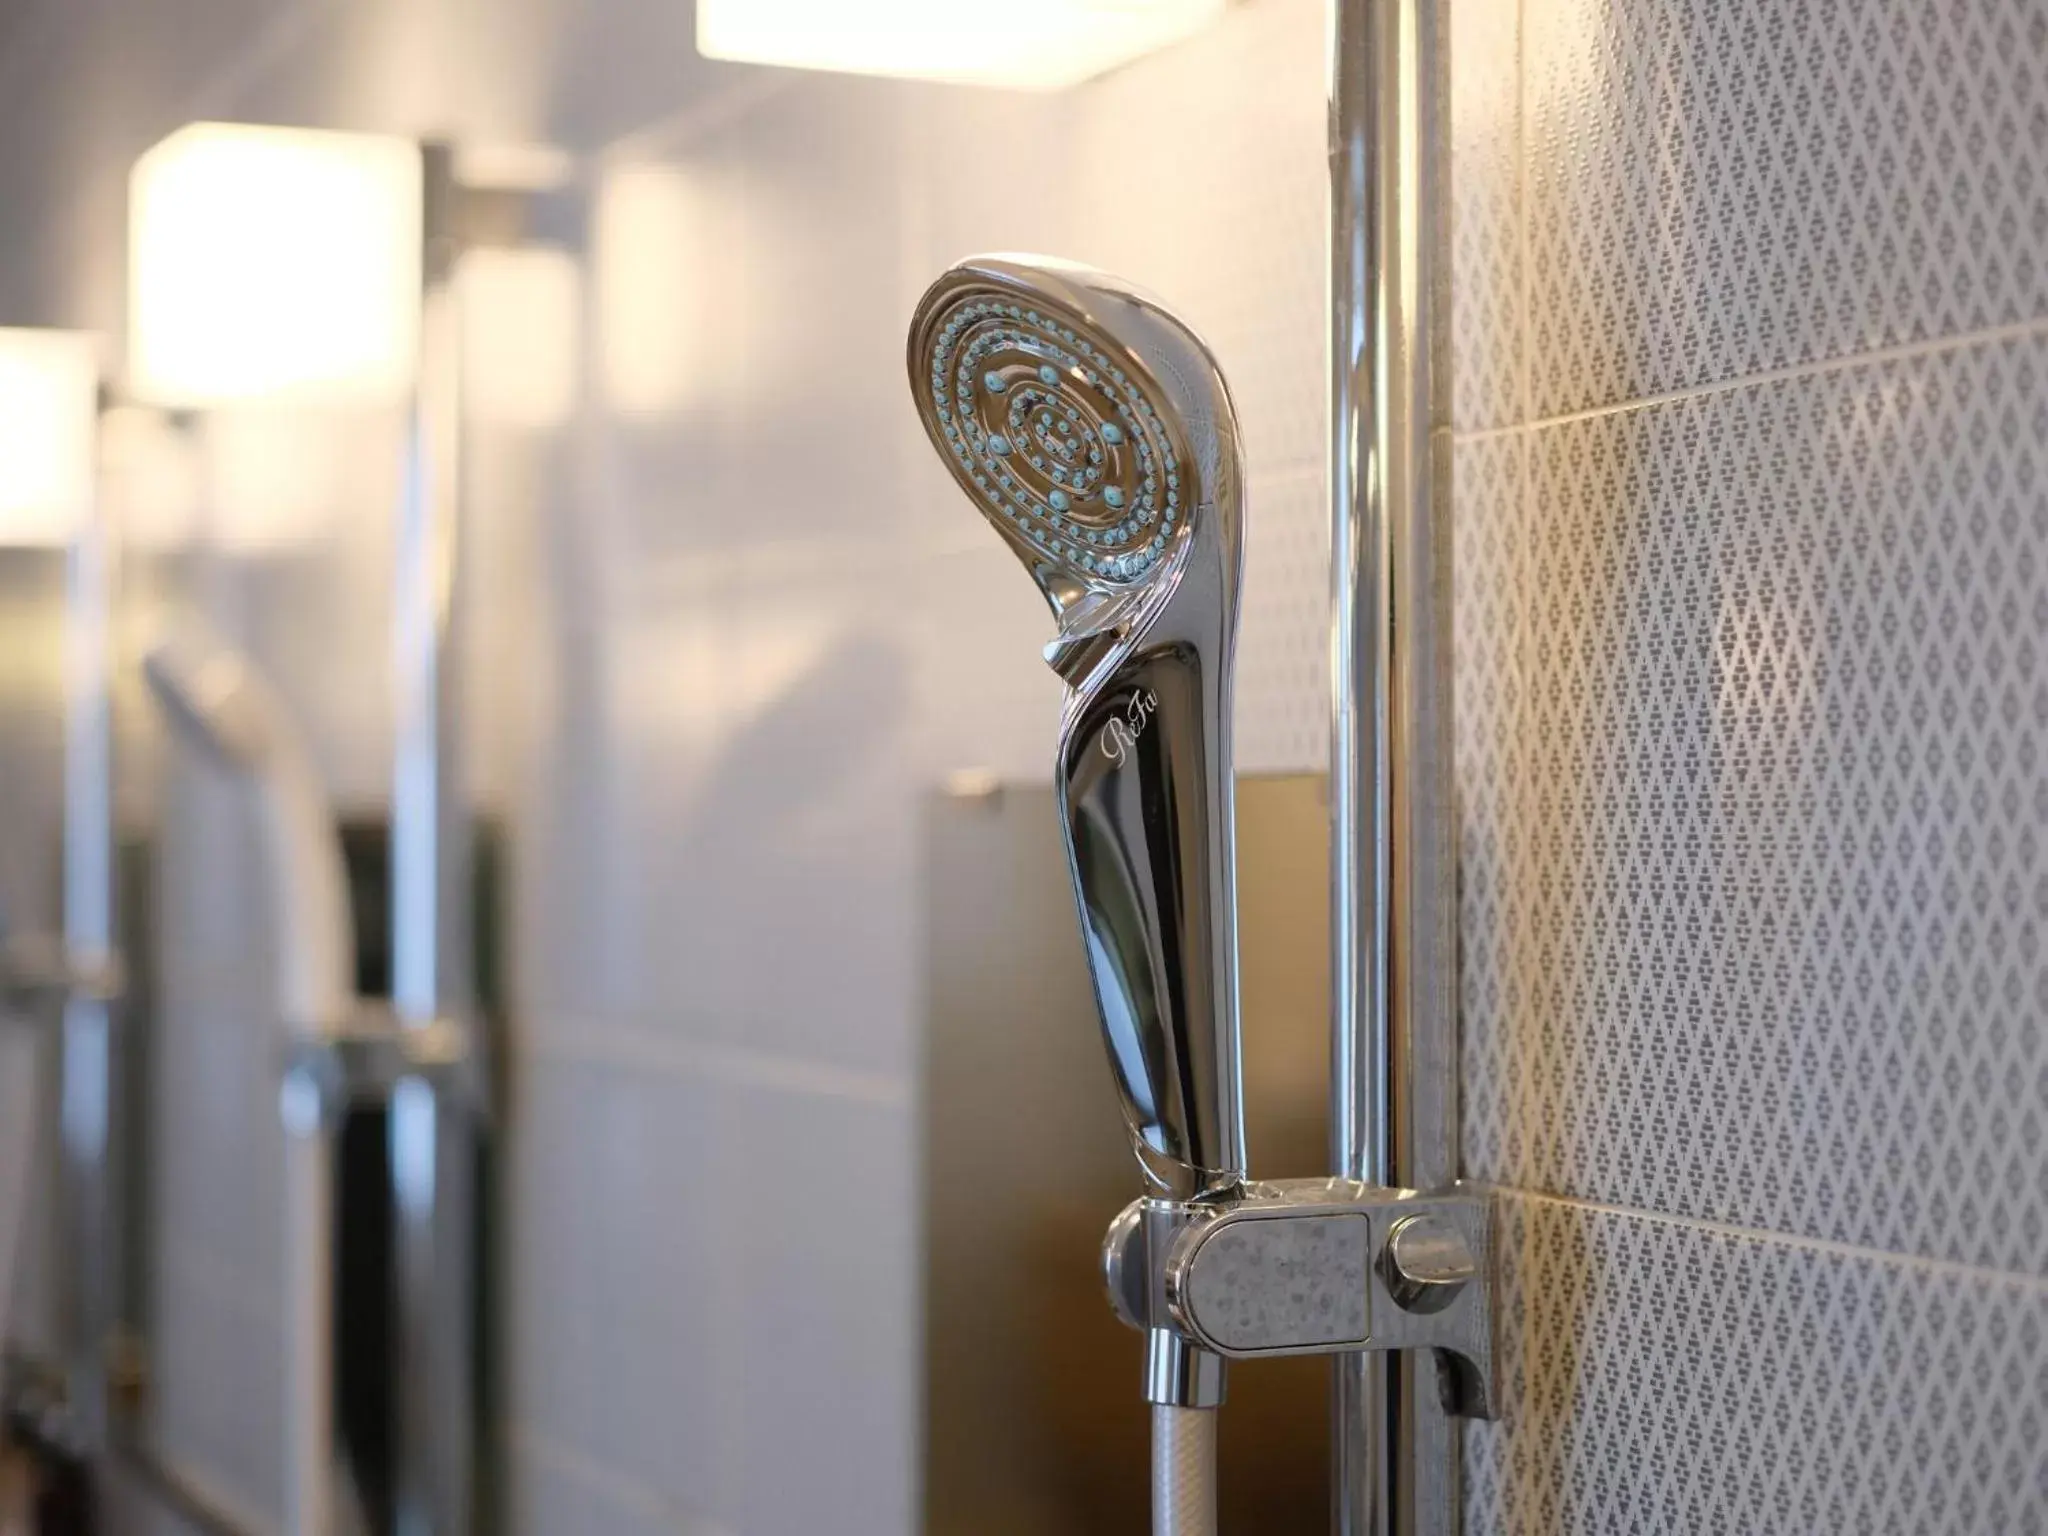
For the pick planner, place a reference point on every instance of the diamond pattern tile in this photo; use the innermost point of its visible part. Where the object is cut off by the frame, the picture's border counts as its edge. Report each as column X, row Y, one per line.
column 1662, row 1376
column 1479, row 240
column 1283, row 645
column 1752, row 711
column 1718, row 188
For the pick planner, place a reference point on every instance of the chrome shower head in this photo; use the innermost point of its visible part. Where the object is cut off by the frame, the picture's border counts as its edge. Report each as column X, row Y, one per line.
column 1093, row 429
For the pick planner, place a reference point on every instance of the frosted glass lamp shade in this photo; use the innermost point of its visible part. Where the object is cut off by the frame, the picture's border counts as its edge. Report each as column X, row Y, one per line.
column 1026, row 44
column 274, row 263
column 49, row 400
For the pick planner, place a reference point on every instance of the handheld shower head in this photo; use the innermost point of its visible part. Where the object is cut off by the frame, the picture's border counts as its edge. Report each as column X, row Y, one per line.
column 225, row 708
column 1093, row 430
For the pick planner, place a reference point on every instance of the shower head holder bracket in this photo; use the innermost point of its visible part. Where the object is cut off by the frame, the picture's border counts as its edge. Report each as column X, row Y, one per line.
column 1316, row 1267
column 362, row 1060
column 39, row 970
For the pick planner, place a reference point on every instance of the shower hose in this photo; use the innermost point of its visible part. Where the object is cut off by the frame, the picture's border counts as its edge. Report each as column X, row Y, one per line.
column 1183, row 1471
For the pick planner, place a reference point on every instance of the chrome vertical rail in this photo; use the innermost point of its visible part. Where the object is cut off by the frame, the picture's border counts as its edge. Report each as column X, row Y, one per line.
column 1392, row 836
column 87, row 1056
column 432, row 955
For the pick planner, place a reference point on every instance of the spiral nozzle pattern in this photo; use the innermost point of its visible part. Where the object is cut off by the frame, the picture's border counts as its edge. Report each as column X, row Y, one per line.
column 1056, row 434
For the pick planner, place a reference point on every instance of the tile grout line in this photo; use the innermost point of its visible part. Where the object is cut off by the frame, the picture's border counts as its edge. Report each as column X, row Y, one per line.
column 259, row 56
column 1772, row 1236
column 695, row 120
column 626, row 1046
column 2018, row 330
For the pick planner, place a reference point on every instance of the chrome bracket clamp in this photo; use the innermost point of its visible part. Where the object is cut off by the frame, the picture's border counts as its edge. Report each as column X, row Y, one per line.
column 1316, row 1267
column 362, row 1061
column 37, row 972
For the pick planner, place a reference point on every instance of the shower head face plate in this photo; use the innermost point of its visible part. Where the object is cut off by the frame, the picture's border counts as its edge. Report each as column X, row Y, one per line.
column 1057, row 431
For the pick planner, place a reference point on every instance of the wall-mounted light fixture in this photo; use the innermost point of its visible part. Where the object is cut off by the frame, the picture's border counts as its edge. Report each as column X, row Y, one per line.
column 274, row 262
column 49, row 388
column 1041, row 45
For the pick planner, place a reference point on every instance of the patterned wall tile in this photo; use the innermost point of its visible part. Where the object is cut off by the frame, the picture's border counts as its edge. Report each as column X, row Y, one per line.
column 1726, row 186
column 1480, row 241
column 1752, row 712
column 1658, row 1375
column 1283, row 649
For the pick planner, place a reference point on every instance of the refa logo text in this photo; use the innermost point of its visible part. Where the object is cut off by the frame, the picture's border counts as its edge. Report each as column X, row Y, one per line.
column 1123, row 731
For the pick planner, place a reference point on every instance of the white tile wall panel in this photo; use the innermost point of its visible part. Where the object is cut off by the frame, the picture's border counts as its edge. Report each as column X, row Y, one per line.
column 1717, row 189
column 763, row 858
column 1663, row 1375
column 801, row 437
column 988, row 171
column 715, row 1271
column 826, row 1190
column 1201, row 173
column 986, row 698
column 1283, row 649
column 216, row 1362
column 216, row 1140
column 623, row 1289
column 557, row 1489
column 27, row 32
column 1750, row 730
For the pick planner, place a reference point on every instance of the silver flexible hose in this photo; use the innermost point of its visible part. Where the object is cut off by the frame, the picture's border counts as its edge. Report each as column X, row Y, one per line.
column 1183, row 1471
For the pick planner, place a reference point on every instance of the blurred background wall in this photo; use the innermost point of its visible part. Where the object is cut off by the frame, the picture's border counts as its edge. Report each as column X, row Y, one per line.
column 731, row 625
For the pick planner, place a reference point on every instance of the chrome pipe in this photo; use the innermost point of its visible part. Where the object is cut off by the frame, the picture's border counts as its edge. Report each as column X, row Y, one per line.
column 1392, row 837
column 89, row 1012
column 86, row 1050
column 432, row 1133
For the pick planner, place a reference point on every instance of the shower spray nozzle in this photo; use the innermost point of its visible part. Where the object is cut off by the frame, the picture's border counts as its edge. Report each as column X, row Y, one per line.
column 1093, row 430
